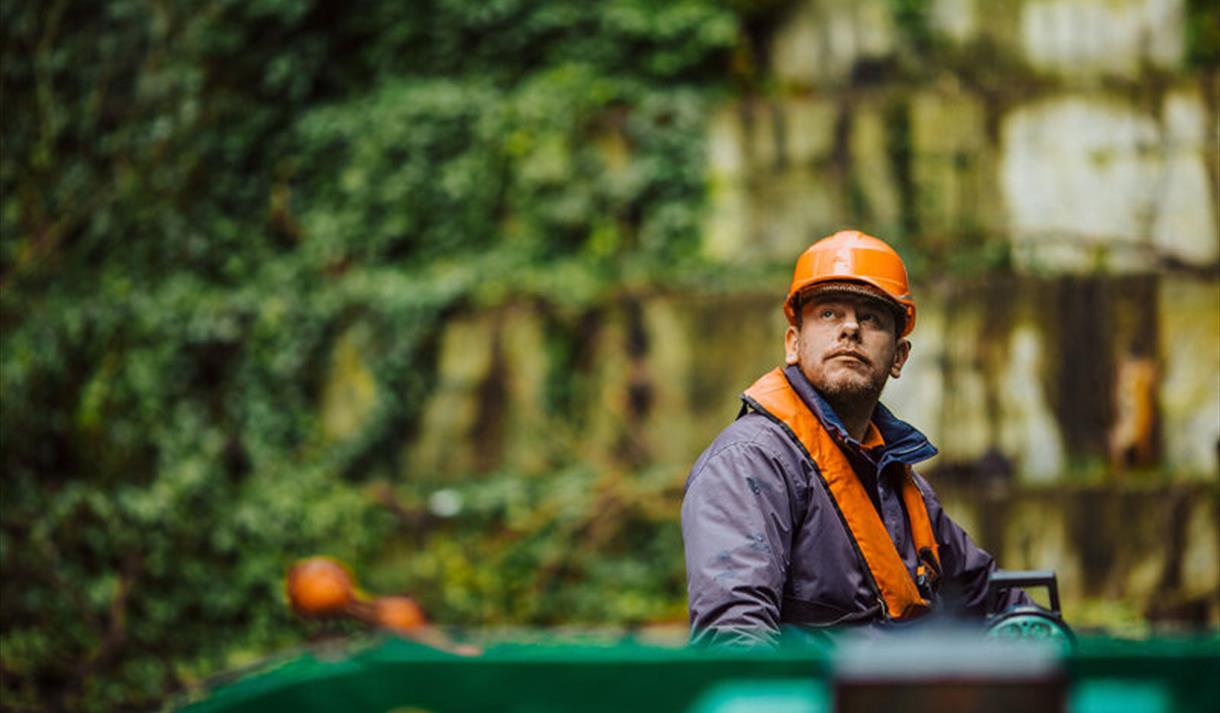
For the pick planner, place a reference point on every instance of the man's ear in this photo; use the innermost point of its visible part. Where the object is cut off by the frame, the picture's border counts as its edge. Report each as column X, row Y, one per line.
column 792, row 342
column 901, row 354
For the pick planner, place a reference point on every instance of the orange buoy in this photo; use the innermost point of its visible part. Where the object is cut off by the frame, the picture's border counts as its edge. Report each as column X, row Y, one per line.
column 400, row 614
column 319, row 586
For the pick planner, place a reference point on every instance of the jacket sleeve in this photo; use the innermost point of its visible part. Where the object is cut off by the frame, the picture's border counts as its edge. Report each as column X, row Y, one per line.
column 737, row 532
column 966, row 566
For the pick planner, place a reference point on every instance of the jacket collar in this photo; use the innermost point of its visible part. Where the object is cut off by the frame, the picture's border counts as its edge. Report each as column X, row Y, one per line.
column 903, row 442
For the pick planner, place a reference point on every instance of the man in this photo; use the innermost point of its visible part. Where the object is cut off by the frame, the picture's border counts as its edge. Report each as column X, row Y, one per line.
column 805, row 511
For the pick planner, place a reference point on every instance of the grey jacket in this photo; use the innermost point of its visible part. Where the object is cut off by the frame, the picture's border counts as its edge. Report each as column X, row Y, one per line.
column 765, row 546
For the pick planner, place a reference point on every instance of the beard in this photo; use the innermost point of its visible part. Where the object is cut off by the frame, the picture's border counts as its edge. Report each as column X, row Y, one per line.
column 852, row 393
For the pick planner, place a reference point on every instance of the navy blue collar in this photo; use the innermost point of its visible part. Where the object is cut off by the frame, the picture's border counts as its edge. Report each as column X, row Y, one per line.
column 903, row 442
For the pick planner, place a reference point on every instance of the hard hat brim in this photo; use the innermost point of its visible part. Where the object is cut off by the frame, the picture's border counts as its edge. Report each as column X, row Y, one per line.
column 856, row 288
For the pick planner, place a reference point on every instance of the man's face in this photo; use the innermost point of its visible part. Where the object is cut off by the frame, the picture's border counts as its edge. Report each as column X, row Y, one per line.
column 846, row 346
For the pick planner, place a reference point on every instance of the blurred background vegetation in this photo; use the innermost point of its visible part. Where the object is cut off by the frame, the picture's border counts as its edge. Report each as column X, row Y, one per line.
column 198, row 197
column 209, row 209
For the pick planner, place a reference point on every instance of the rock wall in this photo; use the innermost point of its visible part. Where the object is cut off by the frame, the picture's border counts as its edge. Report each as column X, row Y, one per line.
column 1065, row 379
column 1072, row 135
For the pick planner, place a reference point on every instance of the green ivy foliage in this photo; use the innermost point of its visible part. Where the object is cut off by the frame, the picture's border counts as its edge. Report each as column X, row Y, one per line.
column 577, row 546
column 198, row 198
column 1203, row 35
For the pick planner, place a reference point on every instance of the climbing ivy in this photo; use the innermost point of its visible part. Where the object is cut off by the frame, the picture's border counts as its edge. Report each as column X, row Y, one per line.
column 198, row 199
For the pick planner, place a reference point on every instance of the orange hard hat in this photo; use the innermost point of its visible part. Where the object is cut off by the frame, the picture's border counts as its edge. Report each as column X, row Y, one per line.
column 850, row 256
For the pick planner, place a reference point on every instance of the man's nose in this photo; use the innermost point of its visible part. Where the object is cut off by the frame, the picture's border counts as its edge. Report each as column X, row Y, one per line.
column 850, row 326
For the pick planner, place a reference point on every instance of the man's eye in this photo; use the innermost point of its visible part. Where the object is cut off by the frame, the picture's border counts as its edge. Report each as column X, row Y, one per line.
column 868, row 317
column 827, row 313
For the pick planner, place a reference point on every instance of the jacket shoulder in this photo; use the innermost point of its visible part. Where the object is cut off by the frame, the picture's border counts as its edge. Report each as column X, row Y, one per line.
column 751, row 436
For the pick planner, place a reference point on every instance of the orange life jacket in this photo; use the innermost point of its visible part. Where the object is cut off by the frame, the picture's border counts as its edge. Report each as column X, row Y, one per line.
column 774, row 397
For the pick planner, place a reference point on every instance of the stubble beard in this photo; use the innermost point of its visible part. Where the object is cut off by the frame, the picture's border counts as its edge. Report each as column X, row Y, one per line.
column 851, row 395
